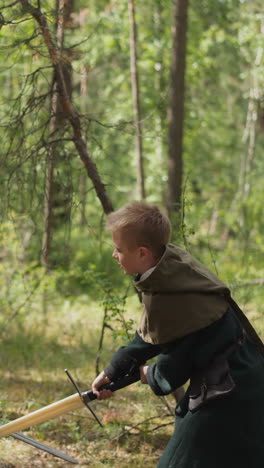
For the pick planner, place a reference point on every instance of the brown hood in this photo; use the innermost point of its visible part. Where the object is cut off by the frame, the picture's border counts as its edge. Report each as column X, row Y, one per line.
column 179, row 297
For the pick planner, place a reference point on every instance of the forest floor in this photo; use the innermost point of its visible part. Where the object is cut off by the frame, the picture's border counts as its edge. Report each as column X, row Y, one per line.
column 137, row 425
column 130, row 436
column 33, row 356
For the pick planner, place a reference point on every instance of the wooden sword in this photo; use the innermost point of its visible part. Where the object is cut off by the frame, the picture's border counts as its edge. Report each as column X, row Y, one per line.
column 70, row 403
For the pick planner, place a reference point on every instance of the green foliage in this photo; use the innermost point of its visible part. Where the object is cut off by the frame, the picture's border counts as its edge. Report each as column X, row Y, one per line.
column 114, row 306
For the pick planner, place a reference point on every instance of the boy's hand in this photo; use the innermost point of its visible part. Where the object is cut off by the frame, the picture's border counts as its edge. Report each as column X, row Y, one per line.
column 100, row 380
column 143, row 374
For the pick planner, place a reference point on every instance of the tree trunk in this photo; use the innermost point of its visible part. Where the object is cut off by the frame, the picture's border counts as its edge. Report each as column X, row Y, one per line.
column 249, row 136
column 49, row 179
column 160, row 85
column 176, row 107
column 83, row 177
column 136, row 100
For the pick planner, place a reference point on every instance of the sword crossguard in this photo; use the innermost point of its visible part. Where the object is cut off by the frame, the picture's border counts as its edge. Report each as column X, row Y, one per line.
column 113, row 386
column 82, row 396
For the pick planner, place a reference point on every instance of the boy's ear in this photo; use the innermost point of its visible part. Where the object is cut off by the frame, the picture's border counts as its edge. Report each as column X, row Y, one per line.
column 144, row 252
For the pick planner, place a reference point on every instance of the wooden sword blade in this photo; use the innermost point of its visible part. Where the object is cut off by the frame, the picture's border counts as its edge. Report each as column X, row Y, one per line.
column 43, row 414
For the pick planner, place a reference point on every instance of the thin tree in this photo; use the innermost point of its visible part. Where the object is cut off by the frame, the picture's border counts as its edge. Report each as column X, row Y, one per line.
column 176, row 107
column 250, row 133
column 136, row 100
column 249, row 138
column 55, row 120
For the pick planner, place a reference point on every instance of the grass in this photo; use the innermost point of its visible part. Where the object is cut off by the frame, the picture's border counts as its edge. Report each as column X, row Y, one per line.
column 35, row 350
column 32, row 375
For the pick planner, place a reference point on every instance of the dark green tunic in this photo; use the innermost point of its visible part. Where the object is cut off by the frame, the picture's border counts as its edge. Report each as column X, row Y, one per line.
column 225, row 433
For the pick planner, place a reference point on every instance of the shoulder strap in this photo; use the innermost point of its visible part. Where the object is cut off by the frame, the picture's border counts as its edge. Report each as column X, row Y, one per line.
column 249, row 329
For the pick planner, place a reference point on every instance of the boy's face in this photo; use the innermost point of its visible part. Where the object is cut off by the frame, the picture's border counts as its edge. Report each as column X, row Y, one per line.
column 132, row 261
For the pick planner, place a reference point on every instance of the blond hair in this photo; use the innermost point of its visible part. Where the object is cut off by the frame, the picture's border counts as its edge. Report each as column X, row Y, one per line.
column 141, row 225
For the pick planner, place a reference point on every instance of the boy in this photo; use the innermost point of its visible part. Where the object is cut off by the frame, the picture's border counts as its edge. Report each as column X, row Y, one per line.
column 190, row 321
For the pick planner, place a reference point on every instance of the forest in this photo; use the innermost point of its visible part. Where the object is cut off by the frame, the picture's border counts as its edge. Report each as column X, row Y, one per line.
column 102, row 103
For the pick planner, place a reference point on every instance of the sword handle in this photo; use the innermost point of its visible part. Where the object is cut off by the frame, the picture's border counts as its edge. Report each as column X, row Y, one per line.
column 113, row 386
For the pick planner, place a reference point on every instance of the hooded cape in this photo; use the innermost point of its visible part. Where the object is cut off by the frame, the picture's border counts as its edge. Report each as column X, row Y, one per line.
column 179, row 297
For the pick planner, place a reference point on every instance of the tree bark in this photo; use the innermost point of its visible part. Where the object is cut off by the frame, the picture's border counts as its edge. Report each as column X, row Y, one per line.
column 160, row 85
column 83, row 178
column 136, row 100
column 49, row 179
column 48, row 201
column 57, row 60
column 249, row 136
column 176, row 107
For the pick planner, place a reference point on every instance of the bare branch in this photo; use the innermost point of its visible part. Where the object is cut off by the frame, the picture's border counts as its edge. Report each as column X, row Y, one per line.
column 17, row 43
column 10, row 5
column 120, row 124
column 3, row 22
